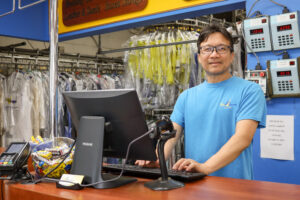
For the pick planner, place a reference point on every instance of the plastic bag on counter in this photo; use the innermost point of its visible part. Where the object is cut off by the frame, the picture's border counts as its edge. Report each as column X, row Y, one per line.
column 48, row 154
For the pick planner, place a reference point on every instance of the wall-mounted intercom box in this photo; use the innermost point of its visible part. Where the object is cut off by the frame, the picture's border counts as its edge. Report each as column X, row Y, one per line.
column 283, row 77
column 285, row 31
column 257, row 34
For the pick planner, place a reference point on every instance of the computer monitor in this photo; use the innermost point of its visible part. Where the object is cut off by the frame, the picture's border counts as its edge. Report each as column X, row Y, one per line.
column 106, row 121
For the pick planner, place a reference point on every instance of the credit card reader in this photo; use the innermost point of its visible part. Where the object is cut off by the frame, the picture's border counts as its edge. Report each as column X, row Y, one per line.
column 13, row 159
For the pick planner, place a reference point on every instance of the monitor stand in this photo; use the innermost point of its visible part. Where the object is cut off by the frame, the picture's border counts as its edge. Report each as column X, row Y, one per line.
column 88, row 154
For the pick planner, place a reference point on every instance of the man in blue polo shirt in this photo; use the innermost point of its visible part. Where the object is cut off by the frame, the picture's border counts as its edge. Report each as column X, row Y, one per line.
column 219, row 116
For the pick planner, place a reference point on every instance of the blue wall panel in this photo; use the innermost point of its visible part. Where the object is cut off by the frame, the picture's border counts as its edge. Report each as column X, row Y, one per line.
column 29, row 23
column 272, row 169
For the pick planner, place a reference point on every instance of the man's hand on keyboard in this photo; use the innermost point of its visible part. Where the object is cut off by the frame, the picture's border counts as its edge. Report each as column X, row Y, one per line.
column 147, row 163
column 189, row 165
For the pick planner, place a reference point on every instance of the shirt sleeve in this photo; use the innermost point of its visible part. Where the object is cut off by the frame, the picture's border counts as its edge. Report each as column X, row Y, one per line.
column 177, row 115
column 253, row 106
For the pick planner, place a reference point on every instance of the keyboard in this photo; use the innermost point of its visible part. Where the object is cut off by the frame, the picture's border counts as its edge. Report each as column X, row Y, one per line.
column 152, row 173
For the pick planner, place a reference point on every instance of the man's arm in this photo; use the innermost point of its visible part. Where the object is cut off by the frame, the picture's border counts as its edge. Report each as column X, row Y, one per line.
column 169, row 145
column 245, row 130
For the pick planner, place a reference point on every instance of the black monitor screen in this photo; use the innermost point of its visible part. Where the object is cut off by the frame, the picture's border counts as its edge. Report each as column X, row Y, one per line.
column 123, row 115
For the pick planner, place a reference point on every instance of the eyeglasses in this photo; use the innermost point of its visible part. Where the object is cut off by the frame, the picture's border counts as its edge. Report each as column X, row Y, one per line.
column 221, row 49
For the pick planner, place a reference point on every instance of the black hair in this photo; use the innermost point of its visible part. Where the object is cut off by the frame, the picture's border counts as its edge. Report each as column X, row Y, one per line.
column 214, row 28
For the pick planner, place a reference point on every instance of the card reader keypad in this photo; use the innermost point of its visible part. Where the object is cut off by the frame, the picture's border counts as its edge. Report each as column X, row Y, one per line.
column 7, row 160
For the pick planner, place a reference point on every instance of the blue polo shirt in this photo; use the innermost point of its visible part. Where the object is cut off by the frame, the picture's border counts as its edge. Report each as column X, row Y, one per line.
column 209, row 113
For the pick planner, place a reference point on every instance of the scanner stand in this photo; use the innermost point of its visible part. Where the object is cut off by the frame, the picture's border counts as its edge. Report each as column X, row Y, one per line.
column 164, row 182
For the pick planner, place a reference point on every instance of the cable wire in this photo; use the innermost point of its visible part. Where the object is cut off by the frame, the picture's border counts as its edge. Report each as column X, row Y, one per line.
column 285, row 9
column 251, row 8
column 278, row 3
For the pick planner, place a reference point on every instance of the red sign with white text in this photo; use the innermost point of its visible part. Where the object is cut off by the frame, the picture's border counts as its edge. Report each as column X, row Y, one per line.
column 82, row 11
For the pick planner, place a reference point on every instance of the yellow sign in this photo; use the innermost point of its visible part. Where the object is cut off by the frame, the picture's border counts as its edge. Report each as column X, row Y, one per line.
column 75, row 17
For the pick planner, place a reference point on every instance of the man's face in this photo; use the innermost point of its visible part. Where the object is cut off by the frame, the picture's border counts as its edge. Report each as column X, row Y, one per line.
column 215, row 63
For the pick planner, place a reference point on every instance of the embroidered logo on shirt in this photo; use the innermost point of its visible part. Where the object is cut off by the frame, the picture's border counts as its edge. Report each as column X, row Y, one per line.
column 227, row 105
